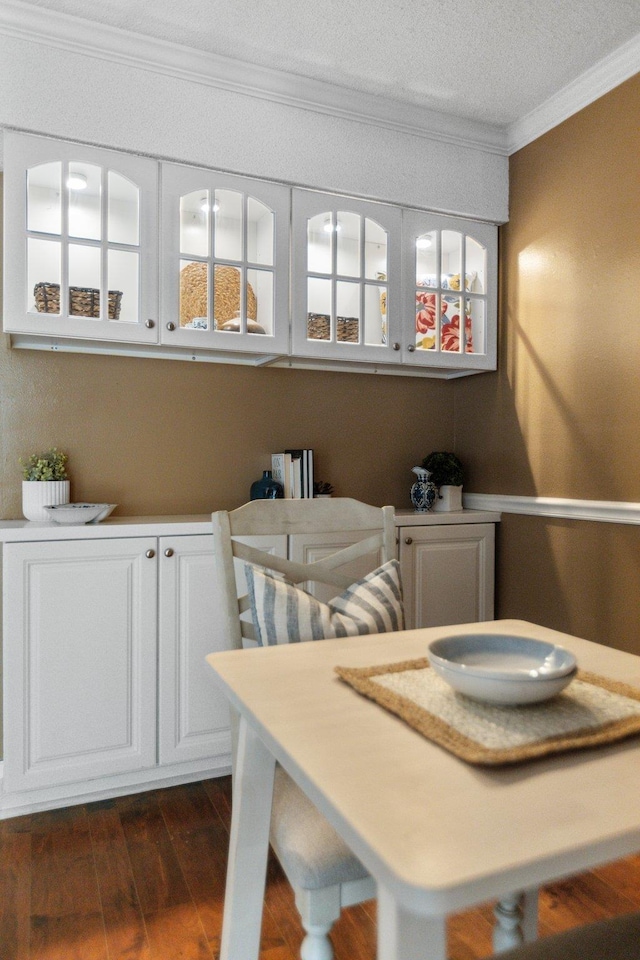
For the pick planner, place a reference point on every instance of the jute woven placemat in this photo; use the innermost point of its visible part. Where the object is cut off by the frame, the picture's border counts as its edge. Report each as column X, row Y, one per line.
column 592, row 710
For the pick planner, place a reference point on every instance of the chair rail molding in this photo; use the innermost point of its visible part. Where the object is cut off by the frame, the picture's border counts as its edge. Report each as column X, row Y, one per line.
column 606, row 511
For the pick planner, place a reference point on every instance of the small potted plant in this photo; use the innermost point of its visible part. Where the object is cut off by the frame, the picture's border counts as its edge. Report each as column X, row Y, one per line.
column 44, row 483
column 448, row 475
column 322, row 489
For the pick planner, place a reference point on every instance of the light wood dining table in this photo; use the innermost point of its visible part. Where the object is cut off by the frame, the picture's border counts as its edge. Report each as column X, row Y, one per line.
column 438, row 834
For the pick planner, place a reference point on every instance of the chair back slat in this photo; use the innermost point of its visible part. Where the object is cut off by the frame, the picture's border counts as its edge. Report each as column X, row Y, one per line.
column 296, row 572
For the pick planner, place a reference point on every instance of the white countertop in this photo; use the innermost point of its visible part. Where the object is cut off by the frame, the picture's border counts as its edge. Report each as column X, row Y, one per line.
column 15, row 531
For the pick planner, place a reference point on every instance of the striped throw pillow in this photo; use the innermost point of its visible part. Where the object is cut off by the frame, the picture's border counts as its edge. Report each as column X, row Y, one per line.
column 284, row 613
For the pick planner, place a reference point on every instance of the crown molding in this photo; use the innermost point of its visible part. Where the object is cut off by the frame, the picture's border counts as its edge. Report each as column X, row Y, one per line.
column 74, row 35
column 608, row 73
column 606, row 511
column 85, row 38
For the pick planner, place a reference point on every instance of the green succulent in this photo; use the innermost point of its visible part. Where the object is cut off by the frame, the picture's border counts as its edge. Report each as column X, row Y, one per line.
column 45, row 466
column 445, row 469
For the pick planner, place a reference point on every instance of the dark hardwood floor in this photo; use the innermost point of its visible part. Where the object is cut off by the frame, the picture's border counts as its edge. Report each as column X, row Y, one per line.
column 142, row 878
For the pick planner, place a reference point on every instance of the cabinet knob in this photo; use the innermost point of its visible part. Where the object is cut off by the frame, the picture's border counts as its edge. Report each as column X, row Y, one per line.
column 396, row 346
column 171, row 325
column 408, row 540
column 150, row 324
column 168, row 552
column 150, row 554
column 411, row 348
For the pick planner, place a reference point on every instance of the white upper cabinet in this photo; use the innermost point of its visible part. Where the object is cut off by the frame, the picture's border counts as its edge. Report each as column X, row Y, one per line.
column 80, row 241
column 225, row 262
column 437, row 253
column 372, row 286
column 346, row 278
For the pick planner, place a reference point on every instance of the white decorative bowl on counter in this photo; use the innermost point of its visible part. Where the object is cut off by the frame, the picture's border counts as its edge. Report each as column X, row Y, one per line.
column 79, row 513
column 501, row 668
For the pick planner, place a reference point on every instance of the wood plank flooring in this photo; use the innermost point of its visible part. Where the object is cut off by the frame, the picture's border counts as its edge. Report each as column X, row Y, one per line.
column 142, row 878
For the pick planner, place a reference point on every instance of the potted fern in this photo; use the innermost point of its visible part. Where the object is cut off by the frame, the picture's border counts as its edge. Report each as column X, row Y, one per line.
column 447, row 473
column 44, row 483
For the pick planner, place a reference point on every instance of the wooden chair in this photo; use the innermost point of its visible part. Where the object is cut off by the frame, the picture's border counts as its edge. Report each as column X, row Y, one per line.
column 323, row 872
column 614, row 939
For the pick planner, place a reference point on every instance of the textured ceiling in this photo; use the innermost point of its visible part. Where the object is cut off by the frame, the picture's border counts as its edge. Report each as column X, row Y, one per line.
column 489, row 60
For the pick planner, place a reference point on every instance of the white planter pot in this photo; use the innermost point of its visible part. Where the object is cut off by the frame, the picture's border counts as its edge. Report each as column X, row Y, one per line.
column 449, row 499
column 38, row 494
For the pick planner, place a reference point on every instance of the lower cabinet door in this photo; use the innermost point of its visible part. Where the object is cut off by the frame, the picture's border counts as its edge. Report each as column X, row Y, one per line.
column 447, row 573
column 193, row 713
column 79, row 660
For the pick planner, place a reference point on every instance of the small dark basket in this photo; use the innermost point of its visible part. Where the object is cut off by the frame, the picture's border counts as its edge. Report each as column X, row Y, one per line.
column 83, row 301
column 319, row 328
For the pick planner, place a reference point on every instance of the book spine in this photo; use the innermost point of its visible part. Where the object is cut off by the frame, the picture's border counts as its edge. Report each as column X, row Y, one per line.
column 297, row 458
column 281, row 471
column 277, row 467
column 310, row 473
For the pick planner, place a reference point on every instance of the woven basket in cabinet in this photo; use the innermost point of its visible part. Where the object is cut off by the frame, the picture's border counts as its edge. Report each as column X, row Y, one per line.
column 226, row 291
column 83, row 301
column 319, row 328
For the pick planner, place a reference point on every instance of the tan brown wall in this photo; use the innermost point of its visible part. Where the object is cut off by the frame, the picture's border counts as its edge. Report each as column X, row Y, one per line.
column 165, row 437
column 561, row 418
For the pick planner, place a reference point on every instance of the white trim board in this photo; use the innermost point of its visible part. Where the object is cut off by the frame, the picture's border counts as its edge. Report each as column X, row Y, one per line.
column 606, row 511
column 105, row 788
column 118, row 46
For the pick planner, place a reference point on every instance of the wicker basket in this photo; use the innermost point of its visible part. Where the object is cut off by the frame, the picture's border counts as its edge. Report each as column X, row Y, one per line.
column 193, row 294
column 83, row 301
column 319, row 328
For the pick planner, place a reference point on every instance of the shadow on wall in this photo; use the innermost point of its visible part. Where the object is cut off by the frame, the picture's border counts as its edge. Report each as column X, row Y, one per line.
column 566, row 574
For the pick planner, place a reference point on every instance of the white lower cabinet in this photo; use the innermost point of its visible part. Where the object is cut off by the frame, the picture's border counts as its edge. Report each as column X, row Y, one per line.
column 106, row 630
column 447, row 573
column 104, row 661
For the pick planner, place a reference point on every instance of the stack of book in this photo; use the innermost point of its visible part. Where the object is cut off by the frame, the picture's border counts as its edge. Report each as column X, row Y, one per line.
column 294, row 470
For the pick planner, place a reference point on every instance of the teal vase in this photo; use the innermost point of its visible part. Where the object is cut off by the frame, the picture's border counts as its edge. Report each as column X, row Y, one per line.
column 266, row 488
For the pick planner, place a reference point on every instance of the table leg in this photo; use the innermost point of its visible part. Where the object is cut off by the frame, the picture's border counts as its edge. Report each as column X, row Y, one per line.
column 516, row 920
column 407, row 936
column 248, row 847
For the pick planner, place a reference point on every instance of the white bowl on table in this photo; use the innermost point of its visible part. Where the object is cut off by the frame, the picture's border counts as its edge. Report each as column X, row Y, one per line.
column 501, row 668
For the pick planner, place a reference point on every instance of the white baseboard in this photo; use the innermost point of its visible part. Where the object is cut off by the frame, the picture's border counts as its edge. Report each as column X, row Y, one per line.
column 604, row 511
column 70, row 794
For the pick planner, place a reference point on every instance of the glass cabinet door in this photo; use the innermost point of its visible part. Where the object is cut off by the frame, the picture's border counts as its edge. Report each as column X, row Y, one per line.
column 450, row 292
column 87, row 268
column 225, row 262
column 346, row 278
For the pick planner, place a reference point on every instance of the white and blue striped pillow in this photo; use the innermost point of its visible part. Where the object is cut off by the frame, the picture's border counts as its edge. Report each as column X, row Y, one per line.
column 284, row 613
